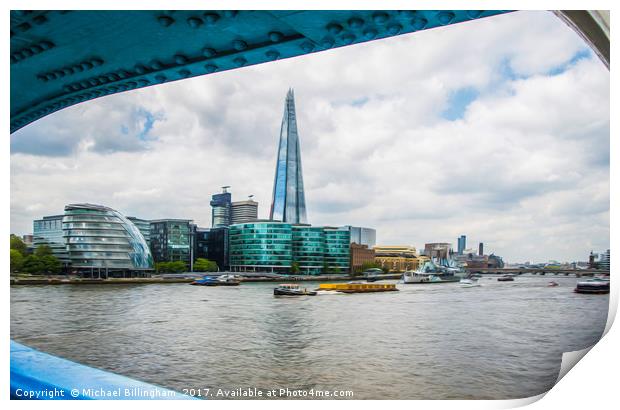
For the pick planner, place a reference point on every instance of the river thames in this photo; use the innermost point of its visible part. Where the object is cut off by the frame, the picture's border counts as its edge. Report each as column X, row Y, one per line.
column 502, row 340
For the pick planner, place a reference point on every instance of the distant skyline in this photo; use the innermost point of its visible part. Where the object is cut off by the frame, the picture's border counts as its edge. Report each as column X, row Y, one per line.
column 497, row 129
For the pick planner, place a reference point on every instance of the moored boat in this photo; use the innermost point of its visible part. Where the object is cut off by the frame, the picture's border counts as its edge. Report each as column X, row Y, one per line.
column 292, row 289
column 221, row 280
column 506, row 278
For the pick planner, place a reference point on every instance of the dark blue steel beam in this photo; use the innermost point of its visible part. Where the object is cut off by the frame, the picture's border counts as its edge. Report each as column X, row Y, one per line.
column 40, row 376
column 62, row 58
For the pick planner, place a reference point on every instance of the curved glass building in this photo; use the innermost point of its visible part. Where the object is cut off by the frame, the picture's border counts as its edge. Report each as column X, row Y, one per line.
column 100, row 237
column 261, row 246
column 308, row 248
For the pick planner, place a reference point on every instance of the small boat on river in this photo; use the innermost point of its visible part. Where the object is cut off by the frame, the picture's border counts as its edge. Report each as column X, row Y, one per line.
column 506, row 278
column 553, row 284
column 469, row 283
column 292, row 289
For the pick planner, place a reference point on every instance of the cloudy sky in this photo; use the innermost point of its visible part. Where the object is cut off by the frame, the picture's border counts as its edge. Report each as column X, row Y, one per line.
column 497, row 129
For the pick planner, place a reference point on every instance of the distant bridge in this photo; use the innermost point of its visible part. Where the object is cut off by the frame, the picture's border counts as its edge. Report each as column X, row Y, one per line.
column 538, row 271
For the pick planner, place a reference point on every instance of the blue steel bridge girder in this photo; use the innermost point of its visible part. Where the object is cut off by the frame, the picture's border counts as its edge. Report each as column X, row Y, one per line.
column 62, row 58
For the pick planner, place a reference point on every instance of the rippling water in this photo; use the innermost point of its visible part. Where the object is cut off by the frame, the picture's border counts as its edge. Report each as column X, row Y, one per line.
column 502, row 340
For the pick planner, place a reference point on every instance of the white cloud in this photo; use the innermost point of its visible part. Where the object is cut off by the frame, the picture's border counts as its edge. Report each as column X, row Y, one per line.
column 525, row 170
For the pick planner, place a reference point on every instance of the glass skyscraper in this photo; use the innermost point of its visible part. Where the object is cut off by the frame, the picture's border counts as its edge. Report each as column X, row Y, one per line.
column 288, row 202
column 221, row 209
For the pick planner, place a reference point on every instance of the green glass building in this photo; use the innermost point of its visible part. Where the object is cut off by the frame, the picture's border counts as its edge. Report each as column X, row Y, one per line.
column 337, row 250
column 261, row 246
column 309, row 248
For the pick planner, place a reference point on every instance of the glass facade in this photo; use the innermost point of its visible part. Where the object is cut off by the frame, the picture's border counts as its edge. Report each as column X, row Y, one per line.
column 288, row 201
column 144, row 226
column 309, row 248
column 261, row 246
column 337, row 250
column 100, row 237
column 212, row 244
column 221, row 209
column 363, row 236
column 48, row 231
column 171, row 240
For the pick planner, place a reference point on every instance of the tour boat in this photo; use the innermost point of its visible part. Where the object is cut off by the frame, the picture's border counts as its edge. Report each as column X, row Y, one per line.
column 596, row 285
column 292, row 289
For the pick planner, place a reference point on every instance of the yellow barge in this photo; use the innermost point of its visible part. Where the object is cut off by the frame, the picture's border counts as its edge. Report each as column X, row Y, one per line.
column 358, row 287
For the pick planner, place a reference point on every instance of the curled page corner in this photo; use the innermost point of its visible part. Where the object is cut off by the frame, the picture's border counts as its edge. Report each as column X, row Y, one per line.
column 569, row 360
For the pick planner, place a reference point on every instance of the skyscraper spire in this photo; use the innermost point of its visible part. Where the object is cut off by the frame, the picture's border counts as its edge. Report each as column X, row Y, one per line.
column 288, row 202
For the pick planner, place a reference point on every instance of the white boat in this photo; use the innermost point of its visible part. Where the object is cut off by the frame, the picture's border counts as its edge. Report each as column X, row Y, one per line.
column 430, row 273
column 469, row 283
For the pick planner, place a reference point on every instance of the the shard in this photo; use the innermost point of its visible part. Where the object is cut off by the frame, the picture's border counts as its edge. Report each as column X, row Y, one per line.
column 288, row 203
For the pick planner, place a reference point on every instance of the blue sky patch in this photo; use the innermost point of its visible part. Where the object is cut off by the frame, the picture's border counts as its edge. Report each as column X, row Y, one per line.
column 458, row 102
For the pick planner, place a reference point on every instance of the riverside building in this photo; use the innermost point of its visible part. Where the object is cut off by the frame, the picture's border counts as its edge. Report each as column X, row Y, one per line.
column 363, row 236
column 274, row 246
column 397, row 258
column 171, row 240
column 103, row 242
column 48, row 231
column 243, row 211
column 144, row 226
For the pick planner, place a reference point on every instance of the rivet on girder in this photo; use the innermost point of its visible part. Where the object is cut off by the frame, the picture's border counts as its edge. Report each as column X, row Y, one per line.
column 307, row 46
column 180, row 59
column 230, row 13
column 276, row 36
column 419, row 23
column 445, row 17
column 239, row 45
column 348, row 38
column 355, row 22
column 394, row 29
column 24, row 27
column 36, row 49
column 27, row 52
column 370, row 33
column 46, row 45
column 210, row 68
column 39, row 19
column 165, row 21
column 156, row 65
column 184, row 73
column 194, row 22
column 272, row 54
column 327, row 42
column 160, row 78
column 68, row 70
column 474, row 14
column 407, row 13
column 87, row 65
column 140, row 69
column 334, row 28
column 208, row 52
column 240, row 61
column 96, row 62
column 211, row 18
column 380, row 17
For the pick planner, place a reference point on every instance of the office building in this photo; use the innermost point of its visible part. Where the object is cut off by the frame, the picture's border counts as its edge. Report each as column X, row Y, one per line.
column 144, row 226
column 172, row 240
column 221, row 205
column 337, row 250
column 243, row 211
column 262, row 246
column 363, row 236
column 48, row 231
column 308, row 248
column 212, row 244
column 102, row 240
column 462, row 244
column 480, row 249
column 396, row 258
column 288, row 201
column 360, row 255
column 438, row 250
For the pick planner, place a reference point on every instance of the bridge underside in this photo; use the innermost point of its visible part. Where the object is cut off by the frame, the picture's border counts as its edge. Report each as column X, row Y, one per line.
column 62, row 58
